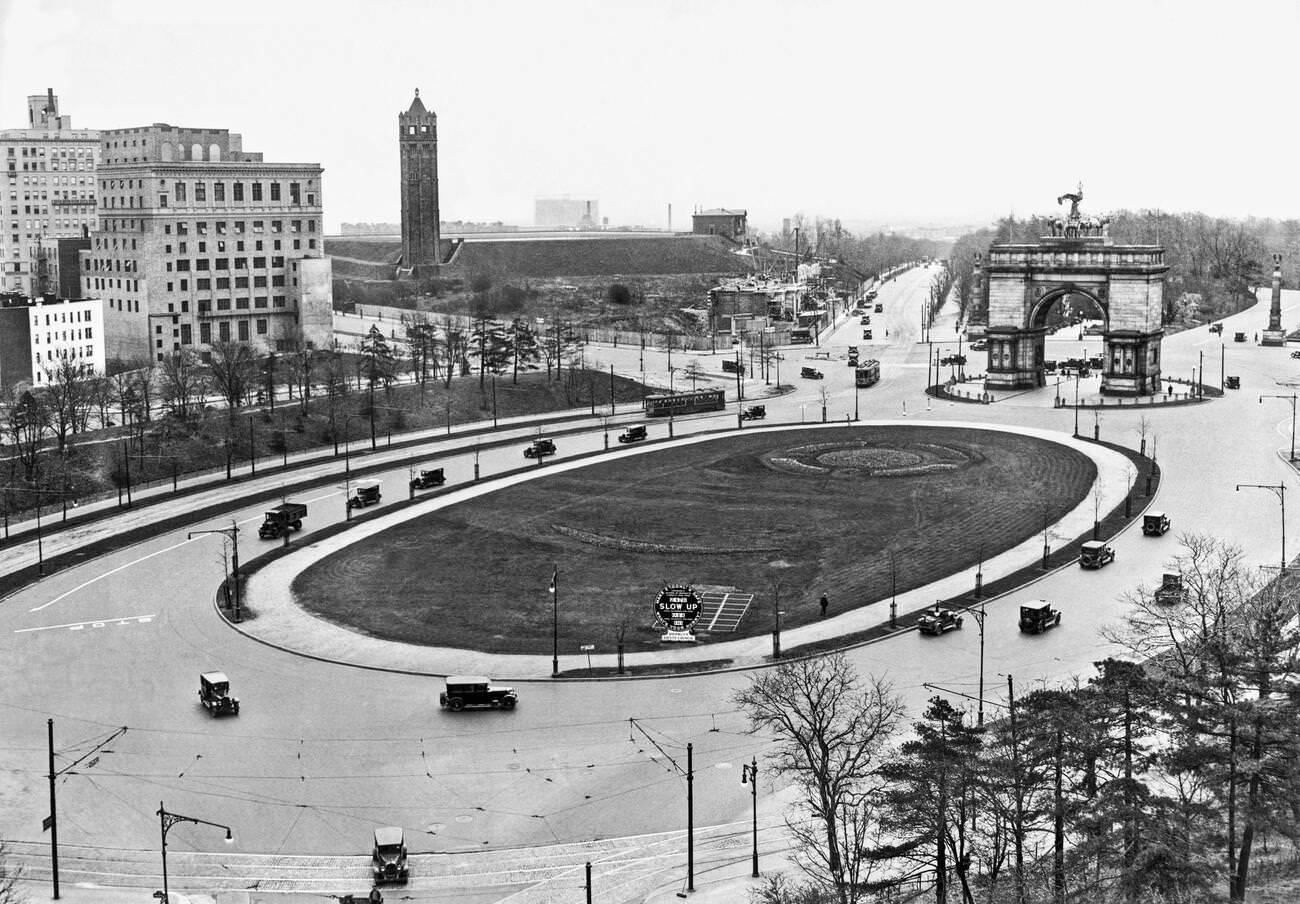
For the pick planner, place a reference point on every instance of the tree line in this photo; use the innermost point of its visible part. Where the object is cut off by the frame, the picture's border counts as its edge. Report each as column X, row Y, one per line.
column 1158, row 779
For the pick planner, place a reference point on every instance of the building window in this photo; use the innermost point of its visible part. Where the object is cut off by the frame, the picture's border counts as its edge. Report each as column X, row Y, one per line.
column 275, row 191
column 277, row 226
column 221, row 227
column 261, row 326
column 257, row 191
column 223, row 304
column 238, row 191
column 241, row 304
column 259, row 263
column 243, row 331
column 277, row 280
column 223, row 282
column 241, row 282
column 219, row 191
column 205, row 333
column 239, row 225
column 180, row 193
column 183, row 265
column 223, row 263
column 277, row 301
column 223, row 330
column 186, row 334
column 203, row 285
column 259, row 282
column 200, row 264
column 259, row 301
column 200, row 191
column 162, row 200
column 201, row 227
column 294, row 196
column 311, row 199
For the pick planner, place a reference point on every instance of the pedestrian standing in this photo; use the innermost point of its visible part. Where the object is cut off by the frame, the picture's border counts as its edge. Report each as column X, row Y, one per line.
column 824, row 603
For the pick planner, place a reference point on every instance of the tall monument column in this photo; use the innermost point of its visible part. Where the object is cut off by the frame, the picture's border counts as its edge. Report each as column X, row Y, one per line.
column 417, row 143
column 1275, row 335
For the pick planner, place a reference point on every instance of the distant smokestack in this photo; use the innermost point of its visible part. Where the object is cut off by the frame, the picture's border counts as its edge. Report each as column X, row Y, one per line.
column 670, row 218
column 49, row 102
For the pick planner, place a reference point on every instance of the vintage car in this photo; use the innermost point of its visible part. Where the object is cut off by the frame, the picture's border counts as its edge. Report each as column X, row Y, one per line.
column 880, row 307
column 540, row 448
column 1095, row 554
column 810, row 373
column 475, row 690
column 1171, row 590
column 732, row 366
column 1216, row 328
column 1155, row 523
column 388, row 860
column 866, row 334
column 633, row 434
column 282, row 519
column 1232, row 382
column 1238, row 337
column 866, row 319
column 364, row 493
column 428, row 477
column 214, row 694
column 938, row 620
column 1296, row 353
column 754, row 413
column 1039, row 617
column 979, row 346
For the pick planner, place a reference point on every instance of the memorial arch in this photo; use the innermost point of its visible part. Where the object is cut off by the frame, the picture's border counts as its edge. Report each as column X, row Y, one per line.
column 1024, row 280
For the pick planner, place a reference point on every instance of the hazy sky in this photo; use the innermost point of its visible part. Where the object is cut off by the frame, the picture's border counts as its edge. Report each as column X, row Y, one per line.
column 908, row 111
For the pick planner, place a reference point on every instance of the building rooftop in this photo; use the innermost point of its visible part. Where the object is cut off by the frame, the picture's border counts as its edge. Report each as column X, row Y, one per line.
column 721, row 212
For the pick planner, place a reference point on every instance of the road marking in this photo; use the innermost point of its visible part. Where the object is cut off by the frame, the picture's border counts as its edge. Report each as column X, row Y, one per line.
column 113, row 571
column 98, row 623
column 79, row 587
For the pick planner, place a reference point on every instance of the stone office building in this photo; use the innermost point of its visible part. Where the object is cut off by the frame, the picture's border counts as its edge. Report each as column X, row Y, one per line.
column 200, row 242
column 47, row 192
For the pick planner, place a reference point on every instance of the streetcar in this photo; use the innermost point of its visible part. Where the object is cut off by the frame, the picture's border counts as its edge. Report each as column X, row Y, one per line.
column 685, row 402
column 868, row 373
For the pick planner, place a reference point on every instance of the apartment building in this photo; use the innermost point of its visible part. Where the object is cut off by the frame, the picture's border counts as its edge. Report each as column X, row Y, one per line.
column 200, row 242
column 37, row 334
column 47, row 192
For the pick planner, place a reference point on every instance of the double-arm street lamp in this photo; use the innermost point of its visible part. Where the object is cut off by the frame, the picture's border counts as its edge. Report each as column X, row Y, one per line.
column 233, row 533
column 347, row 452
column 166, row 821
column 1279, row 490
column 749, row 773
column 1291, row 397
column 40, row 545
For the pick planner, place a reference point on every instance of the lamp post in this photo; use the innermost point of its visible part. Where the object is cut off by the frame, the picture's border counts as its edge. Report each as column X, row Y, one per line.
column 1292, row 398
column 1280, row 490
column 233, row 533
column 1076, row 404
column 166, row 821
column 749, row 772
column 555, row 622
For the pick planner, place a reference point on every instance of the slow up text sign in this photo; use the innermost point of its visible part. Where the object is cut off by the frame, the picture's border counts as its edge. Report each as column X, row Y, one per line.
column 678, row 606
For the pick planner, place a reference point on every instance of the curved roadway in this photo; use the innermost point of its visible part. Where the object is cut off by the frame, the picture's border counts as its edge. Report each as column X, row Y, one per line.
column 321, row 752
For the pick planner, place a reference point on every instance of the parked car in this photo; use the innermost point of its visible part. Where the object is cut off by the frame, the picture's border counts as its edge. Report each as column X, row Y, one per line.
column 388, row 859
column 732, row 366
column 810, row 373
column 1216, row 328
column 938, row 620
column 1296, row 353
column 979, row 345
column 754, row 413
column 1232, row 382
column 214, row 694
column 475, row 690
column 1171, row 589
column 866, row 319
column 880, row 307
column 1095, row 554
column 866, row 334
column 1155, row 524
column 1039, row 617
column 540, row 448
column 1238, row 337
column 429, row 477
column 282, row 519
column 364, row 493
column 633, row 434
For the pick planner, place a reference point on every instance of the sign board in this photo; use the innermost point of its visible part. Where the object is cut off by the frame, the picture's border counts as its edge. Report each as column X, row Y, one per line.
column 587, row 647
column 46, row 823
column 678, row 607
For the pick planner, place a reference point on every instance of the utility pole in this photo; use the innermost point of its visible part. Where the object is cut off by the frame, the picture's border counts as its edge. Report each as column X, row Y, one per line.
column 690, row 817
column 1019, row 828
column 53, row 819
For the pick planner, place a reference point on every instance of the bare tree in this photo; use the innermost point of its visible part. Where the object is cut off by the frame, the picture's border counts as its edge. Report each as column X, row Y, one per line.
column 10, row 873
column 830, row 728
column 28, row 421
column 67, row 398
column 183, row 382
column 233, row 369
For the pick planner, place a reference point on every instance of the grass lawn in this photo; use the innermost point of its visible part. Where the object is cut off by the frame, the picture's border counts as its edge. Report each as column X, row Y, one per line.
column 816, row 510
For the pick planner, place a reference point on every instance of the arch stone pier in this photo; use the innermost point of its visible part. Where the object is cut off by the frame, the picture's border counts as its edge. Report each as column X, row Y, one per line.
column 1079, row 257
